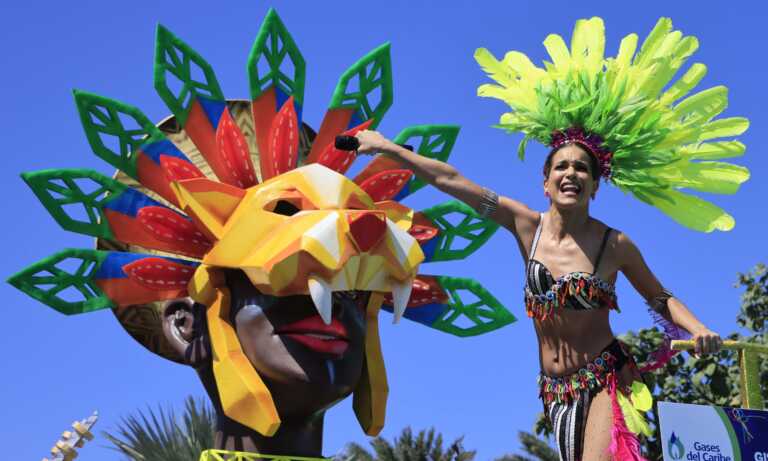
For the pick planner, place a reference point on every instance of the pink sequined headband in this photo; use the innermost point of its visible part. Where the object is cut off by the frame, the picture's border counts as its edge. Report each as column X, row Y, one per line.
column 592, row 142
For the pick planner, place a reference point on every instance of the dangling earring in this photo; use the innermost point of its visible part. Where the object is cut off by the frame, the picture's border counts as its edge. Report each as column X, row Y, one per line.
column 546, row 193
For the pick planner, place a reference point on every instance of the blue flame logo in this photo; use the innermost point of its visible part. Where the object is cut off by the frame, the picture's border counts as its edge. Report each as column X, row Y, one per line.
column 675, row 447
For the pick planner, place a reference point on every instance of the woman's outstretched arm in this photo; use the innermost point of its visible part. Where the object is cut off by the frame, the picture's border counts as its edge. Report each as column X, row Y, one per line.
column 513, row 215
column 632, row 264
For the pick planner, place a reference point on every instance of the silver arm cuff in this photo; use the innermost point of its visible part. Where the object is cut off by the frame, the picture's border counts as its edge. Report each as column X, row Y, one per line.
column 489, row 202
column 659, row 302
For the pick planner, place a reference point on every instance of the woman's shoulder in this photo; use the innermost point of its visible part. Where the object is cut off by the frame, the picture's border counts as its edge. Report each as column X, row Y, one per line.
column 601, row 228
column 619, row 246
column 616, row 238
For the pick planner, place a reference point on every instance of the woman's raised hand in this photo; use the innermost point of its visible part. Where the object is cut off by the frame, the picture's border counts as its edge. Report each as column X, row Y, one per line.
column 371, row 142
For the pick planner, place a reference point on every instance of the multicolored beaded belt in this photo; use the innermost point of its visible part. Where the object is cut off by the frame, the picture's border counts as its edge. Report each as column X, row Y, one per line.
column 594, row 375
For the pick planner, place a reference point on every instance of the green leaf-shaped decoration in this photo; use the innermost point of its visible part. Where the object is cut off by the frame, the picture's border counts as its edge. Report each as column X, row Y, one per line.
column 45, row 281
column 274, row 44
column 634, row 419
column 57, row 188
column 373, row 73
column 174, row 57
column 434, row 141
column 471, row 228
column 485, row 314
column 104, row 121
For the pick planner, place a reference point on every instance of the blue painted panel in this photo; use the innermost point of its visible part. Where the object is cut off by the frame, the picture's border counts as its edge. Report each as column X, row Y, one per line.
column 112, row 267
column 429, row 248
column 165, row 147
column 426, row 314
column 213, row 109
column 130, row 201
column 280, row 98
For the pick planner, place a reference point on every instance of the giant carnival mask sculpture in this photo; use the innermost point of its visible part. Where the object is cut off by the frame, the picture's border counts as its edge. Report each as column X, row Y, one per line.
column 279, row 270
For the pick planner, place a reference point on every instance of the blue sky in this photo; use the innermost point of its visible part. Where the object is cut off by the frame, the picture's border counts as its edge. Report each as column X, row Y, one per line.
column 58, row 369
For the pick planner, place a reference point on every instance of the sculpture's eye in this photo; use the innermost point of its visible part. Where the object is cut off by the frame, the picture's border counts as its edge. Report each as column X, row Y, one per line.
column 286, row 208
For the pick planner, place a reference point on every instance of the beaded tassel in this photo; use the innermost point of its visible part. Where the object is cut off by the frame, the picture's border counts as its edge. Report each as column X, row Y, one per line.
column 587, row 286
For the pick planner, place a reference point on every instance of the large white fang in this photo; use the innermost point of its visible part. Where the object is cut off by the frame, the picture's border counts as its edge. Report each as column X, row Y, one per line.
column 320, row 290
column 401, row 293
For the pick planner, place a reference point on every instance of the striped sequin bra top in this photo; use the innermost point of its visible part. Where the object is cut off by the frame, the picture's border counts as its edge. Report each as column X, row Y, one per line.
column 575, row 290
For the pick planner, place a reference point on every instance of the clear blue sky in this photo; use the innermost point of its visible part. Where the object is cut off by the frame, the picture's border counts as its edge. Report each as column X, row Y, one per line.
column 57, row 369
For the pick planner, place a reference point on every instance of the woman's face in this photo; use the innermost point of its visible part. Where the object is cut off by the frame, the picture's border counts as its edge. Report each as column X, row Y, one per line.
column 307, row 365
column 570, row 183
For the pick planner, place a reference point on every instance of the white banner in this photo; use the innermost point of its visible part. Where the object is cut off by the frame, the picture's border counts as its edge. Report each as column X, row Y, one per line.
column 709, row 433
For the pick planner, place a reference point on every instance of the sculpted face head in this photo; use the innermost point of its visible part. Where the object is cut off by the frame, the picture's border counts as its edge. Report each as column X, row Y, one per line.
column 306, row 365
column 286, row 290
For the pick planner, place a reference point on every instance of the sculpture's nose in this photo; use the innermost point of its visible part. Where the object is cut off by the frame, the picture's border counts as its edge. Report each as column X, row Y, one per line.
column 366, row 228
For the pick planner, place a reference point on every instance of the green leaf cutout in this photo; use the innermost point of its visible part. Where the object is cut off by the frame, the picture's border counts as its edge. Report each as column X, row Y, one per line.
column 186, row 69
column 484, row 315
column 115, row 130
column 45, row 281
column 274, row 44
column 434, row 141
column 57, row 189
column 471, row 228
column 360, row 84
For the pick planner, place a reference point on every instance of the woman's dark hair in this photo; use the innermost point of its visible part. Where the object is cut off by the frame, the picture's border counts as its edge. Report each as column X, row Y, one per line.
column 594, row 166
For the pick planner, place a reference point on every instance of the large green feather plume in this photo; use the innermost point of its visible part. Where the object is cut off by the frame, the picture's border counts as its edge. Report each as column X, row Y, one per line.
column 662, row 137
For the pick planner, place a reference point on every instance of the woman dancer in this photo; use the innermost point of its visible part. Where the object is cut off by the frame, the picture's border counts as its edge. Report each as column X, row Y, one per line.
column 601, row 118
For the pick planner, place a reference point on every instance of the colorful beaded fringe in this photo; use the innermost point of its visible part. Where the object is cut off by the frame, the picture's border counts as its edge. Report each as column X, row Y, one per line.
column 588, row 286
column 594, row 375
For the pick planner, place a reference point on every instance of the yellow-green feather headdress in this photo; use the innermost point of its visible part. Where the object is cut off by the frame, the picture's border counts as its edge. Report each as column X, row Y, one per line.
column 628, row 112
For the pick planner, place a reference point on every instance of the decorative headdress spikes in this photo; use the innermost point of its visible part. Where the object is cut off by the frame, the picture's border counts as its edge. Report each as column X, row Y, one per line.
column 628, row 111
column 592, row 142
column 291, row 229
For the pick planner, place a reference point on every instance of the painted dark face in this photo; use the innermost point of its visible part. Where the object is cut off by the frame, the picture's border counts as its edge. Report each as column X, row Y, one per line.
column 307, row 365
column 570, row 183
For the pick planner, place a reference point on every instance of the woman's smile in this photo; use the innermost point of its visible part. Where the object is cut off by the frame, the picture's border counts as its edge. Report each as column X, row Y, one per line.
column 570, row 188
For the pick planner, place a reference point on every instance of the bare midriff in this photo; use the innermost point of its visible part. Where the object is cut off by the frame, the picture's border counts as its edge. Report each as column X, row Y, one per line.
column 569, row 339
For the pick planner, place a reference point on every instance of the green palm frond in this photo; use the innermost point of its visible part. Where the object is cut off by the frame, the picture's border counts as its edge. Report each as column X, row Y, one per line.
column 427, row 445
column 158, row 435
column 536, row 449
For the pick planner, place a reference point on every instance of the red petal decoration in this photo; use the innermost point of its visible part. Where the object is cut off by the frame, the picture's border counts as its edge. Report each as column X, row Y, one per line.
column 177, row 169
column 233, row 149
column 341, row 160
column 423, row 233
column 170, row 227
column 284, row 142
column 426, row 290
column 159, row 274
column 386, row 184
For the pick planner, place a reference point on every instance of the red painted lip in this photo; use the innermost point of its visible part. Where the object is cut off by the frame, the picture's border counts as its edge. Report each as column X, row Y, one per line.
column 314, row 334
